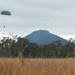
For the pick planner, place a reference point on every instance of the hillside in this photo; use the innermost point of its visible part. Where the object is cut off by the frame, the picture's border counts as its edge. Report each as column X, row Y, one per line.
column 44, row 37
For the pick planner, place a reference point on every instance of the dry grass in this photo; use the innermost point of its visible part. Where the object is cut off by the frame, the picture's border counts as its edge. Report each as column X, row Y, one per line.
column 21, row 66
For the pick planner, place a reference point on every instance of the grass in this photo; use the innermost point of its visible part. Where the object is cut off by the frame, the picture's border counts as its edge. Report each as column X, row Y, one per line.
column 23, row 66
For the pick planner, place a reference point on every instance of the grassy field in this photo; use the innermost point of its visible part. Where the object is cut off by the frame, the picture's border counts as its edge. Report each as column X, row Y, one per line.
column 23, row 66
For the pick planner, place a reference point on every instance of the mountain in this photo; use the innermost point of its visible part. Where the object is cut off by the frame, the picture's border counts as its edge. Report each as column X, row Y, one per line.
column 43, row 37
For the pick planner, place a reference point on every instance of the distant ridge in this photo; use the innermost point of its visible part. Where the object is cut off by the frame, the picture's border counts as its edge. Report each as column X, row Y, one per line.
column 44, row 37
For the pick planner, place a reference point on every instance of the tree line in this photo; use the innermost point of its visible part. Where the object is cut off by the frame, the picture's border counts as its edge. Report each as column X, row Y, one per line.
column 21, row 47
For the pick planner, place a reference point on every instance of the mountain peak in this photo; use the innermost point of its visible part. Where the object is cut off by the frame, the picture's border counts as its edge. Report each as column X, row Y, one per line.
column 44, row 37
column 42, row 31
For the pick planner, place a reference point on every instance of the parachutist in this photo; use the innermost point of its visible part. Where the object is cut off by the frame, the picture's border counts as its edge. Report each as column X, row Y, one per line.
column 3, row 33
column 4, row 27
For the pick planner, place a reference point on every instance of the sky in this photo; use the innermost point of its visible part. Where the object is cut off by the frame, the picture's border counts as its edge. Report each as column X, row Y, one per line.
column 56, row 16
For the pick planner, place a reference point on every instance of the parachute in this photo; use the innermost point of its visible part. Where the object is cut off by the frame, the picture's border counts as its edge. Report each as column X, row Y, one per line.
column 5, row 12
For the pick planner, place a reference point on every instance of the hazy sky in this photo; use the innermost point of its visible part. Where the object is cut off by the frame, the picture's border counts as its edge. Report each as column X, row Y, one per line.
column 56, row 16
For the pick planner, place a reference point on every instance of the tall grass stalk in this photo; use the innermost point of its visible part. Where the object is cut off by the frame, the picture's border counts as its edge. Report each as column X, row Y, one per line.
column 23, row 66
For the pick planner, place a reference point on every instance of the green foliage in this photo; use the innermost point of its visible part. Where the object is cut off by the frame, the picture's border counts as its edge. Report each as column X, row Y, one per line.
column 17, row 47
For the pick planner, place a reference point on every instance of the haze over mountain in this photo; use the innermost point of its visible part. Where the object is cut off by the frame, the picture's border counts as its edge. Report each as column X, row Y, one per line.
column 43, row 37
